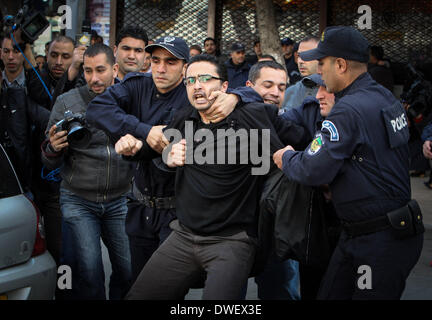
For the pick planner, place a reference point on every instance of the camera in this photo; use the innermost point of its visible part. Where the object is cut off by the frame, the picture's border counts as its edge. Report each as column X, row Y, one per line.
column 78, row 135
column 31, row 25
column 418, row 95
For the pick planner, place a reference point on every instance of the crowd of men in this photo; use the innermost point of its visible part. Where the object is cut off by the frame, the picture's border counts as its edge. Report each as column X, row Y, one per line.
column 172, row 220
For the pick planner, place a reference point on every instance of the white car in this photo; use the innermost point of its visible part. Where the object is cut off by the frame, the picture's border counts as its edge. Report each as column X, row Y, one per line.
column 27, row 270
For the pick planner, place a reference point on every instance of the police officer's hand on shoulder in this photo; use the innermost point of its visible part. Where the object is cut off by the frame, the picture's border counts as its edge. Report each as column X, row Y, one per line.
column 156, row 139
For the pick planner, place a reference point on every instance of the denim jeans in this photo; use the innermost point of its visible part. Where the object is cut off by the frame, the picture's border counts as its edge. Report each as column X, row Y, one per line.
column 85, row 223
column 279, row 280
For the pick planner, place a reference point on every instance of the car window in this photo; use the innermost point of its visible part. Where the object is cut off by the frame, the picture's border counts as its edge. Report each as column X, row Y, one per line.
column 9, row 185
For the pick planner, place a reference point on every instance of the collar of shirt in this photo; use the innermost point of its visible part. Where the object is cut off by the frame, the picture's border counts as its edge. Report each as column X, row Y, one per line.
column 18, row 82
column 195, row 116
column 168, row 95
column 361, row 79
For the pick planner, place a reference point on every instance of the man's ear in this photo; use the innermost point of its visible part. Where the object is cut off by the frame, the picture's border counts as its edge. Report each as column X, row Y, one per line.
column 115, row 70
column 249, row 84
column 224, row 86
column 184, row 70
column 341, row 65
column 115, row 51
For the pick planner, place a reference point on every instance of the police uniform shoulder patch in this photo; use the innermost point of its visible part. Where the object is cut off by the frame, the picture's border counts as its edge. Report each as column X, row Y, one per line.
column 315, row 145
column 334, row 134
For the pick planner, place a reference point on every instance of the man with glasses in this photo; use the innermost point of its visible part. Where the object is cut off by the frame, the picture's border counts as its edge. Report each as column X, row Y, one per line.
column 141, row 105
column 214, row 235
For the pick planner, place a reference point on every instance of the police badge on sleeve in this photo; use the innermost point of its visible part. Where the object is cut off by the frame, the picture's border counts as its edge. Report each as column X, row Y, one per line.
column 315, row 145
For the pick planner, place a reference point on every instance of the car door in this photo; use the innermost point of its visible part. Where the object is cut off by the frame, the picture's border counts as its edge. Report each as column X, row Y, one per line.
column 18, row 218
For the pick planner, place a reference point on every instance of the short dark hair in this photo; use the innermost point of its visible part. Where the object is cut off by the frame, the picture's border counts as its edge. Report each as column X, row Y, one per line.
column 39, row 55
column 132, row 32
column 63, row 39
column 208, row 39
column 377, row 52
column 310, row 38
column 220, row 68
column 99, row 48
column 256, row 41
column 255, row 71
column 196, row 47
column 269, row 56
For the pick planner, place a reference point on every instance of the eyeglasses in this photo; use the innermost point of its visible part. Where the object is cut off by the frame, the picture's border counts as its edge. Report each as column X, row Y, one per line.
column 202, row 78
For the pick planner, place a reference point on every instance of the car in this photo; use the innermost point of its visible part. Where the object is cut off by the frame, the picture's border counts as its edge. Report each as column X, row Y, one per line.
column 27, row 270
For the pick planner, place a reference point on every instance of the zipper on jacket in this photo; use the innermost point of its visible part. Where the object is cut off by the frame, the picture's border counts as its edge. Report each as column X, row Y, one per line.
column 71, row 176
column 108, row 170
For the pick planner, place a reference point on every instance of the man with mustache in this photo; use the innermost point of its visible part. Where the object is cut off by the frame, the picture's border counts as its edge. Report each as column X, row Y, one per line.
column 94, row 183
column 141, row 106
column 214, row 235
column 62, row 59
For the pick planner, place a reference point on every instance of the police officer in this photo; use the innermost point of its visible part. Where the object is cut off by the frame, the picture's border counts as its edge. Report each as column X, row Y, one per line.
column 140, row 106
column 361, row 151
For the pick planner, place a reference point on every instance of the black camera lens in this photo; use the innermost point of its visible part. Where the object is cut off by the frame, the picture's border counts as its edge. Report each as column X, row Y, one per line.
column 78, row 136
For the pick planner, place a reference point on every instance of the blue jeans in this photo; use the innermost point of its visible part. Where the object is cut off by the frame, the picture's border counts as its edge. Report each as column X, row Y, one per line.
column 85, row 223
column 279, row 280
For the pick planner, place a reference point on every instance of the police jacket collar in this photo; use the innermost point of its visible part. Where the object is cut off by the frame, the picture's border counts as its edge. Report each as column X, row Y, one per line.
column 361, row 79
column 243, row 65
column 168, row 95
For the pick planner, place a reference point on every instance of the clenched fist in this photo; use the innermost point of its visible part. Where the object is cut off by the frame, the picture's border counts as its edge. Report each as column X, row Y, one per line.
column 177, row 155
column 128, row 145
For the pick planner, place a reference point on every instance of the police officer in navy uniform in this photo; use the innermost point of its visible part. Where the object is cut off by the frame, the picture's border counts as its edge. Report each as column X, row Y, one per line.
column 361, row 151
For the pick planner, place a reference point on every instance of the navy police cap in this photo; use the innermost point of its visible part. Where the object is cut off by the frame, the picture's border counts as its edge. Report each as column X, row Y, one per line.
column 177, row 46
column 341, row 42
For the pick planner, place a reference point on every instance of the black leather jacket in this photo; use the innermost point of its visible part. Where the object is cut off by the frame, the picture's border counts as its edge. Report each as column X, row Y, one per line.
column 96, row 172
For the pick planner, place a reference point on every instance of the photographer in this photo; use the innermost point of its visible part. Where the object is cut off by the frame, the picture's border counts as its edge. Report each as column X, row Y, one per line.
column 95, row 180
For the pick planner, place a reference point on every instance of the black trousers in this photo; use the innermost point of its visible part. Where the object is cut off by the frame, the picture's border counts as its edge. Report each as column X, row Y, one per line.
column 185, row 259
column 390, row 261
column 147, row 229
column 49, row 206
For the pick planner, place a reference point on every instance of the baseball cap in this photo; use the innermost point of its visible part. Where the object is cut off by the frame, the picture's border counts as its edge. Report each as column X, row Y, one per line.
column 238, row 47
column 286, row 42
column 177, row 46
column 313, row 80
column 341, row 42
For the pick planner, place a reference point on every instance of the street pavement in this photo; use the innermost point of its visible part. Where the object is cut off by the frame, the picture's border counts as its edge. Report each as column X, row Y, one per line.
column 419, row 283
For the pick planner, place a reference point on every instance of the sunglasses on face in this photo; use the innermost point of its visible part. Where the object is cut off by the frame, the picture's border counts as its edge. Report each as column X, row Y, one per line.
column 202, row 78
